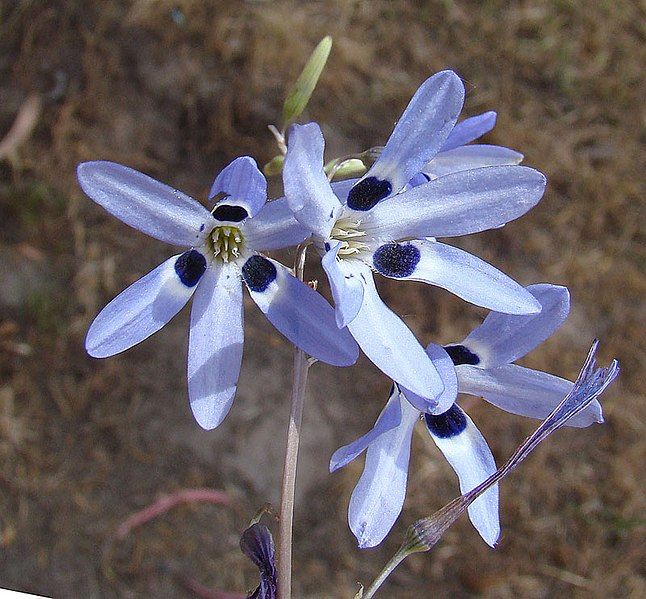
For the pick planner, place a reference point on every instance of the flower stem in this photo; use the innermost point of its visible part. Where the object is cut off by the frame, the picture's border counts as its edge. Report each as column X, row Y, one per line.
column 394, row 561
column 301, row 368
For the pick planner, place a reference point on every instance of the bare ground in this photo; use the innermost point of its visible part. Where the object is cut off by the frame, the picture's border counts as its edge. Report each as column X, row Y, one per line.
column 177, row 89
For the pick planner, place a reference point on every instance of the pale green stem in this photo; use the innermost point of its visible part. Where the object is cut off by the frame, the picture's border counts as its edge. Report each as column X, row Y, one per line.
column 301, row 368
column 394, row 561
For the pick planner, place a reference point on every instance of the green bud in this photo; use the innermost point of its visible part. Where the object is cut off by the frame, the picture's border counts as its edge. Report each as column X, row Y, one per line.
column 349, row 169
column 274, row 166
column 300, row 93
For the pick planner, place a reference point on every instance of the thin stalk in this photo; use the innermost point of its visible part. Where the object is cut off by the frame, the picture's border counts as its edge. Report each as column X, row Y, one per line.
column 394, row 561
column 301, row 368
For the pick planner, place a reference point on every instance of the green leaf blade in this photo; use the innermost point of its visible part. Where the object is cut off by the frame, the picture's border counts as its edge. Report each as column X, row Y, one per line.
column 300, row 93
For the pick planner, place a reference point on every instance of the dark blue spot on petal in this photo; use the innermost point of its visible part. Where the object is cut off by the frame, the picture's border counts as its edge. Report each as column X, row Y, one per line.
column 461, row 355
column 230, row 213
column 190, row 267
column 202, row 226
column 447, row 425
column 327, row 246
column 258, row 273
column 396, row 259
column 366, row 193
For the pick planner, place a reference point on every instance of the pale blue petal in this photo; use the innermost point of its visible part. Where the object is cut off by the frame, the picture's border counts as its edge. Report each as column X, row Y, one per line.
column 523, row 391
column 467, row 452
column 417, row 137
column 273, row 228
column 215, row 344
column 342, row 189
column 390, row 344
column 458, row 204
column 298, row 312
column 503, row 338
column 145, row 204
column 378, row 498
column 469, row 130
column 138, row 311
column 446, row 370
column 469, row 157
column 346, row 286
column 243, row 184
column 457, row 271
column 307, row 188
column 390, row 417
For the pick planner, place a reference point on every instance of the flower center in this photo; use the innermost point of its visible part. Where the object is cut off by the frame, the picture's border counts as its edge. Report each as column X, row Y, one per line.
column 227, row 243
column 348, row 232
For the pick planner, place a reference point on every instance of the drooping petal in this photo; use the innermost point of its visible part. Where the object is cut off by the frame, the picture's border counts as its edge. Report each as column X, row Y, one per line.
column 257, row 544
column 446, row 369
column 417, row 137
column 146, row 306
column 457, row 271
column 346, row 286
column 523, row 391
column 245, row 188
column 469, row 157
column 145, row 204
column 307, row 188
column 378, row 498
column 274, row 227
column 469, row 130
column 503, row 338
column 390, row 417
column 215, row 344
column 467, row 452
column 457, row 204
column 390, row 344
column 298, row 312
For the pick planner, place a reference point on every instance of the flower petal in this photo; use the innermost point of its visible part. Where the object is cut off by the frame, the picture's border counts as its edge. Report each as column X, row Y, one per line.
column 243, row 184
column 257, row 544
column 469, row 130
column 458, row 204
column 307, row 188
column 378, row 498
column 298, row 312
column 446, row 369
column 347, row 288
column 503, row 338
column 466, row 158
column 390, row 344
column 467, row 452
column 146, row 306
column 417, row 137
column 215, row 344
column 341, row 189
column 389, row 418
column 457, row 271
column 523, row 391
column 145, row 204
column 274, row 227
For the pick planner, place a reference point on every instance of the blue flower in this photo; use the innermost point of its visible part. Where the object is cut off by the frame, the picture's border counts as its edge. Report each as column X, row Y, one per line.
column 480, row 365
column 458, row 154
column 359, row 233
column 224, row 248
column 258, row 545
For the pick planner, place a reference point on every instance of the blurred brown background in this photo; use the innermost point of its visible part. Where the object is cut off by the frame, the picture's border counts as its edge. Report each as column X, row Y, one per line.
column 178, row 89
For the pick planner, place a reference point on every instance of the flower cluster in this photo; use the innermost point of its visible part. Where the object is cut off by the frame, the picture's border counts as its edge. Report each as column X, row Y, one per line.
column 428, row 181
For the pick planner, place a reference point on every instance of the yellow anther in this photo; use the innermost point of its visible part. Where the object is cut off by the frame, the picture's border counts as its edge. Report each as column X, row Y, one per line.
column 227, row 243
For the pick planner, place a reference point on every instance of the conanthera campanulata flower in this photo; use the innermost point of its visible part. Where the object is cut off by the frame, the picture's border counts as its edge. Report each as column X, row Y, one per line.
column 480, row 365
column 224, row 247
column 372, row 225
